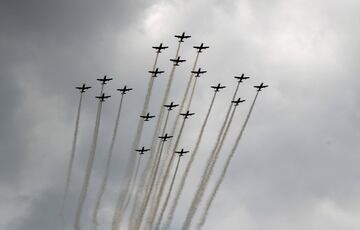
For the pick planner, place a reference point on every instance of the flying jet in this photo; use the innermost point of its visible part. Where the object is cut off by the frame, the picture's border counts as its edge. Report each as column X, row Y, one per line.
column 159, row 48
column 241, row 78
column 181, row 152
column 187, row 114
column 147, row 117
column 124, row 90
column 83, row 88
column 261, row 86
column 155, row 72
column 198, row 72
column 218, row 87
column 165, row 137
column 182, row 37
column 142, row 150
column 201, row 47
column 177, row 60
column 238, row 101
column 171, row 106
column 102, row 97
column 104, row 80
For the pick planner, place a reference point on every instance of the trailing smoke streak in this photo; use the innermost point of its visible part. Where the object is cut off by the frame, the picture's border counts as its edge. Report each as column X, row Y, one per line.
column 71, row 161
column 107, row 169
column 89, row 166
column 165, row 176
column 145, row 203
column 147, row 175
column 158, row 222
column 188, row 167
column 222, row 175
column 194, row 203
column 124, row 193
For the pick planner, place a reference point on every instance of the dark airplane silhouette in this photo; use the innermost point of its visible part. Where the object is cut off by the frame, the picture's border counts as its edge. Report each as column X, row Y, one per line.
column 147, row 117
column 83, row 88
column 182, row 37
column 218, row 87
column 187, row 114
column 241, row 78
column 142, row 150
column 165, row 137
column 171, row 106
column 155, row 72
column 102, row 97
column 124, row 90
column 198, row 72
column 261, row 86
column 159, row 48
column 201, row 47
column 238, row 101
column 104, row 80
column 181, row 152
column 177, row 60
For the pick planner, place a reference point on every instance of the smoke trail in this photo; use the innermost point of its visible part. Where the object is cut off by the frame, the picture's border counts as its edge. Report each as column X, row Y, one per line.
column 145, row 203
column 130, row 166
column 88, row 167
column 71, row 161
column 188, row 167
column 222, row 175
column 147, row 175
column 165, row 176
column 158, row 222
column 119, row 216
column 196, row 198
column 107, row 169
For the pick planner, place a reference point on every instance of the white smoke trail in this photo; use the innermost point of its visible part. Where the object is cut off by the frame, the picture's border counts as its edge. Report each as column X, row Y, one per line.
column 145, row 203
column 147, row 174
column 158, row 222
column 197, row 196
column 107, row 168
column 165, row 176
column 124, row 193
column 88, row 167
column 188, row 167
column 71, row 161
column 222, row 175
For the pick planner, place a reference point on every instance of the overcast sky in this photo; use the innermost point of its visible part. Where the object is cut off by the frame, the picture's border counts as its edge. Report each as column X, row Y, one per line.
column 297, row 166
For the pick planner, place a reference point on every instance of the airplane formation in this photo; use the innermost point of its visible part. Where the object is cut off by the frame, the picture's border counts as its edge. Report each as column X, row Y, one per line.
column 143, row 192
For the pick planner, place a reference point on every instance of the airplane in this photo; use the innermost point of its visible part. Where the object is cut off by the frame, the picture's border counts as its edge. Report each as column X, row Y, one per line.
column 102, row 97
column 198, row 72
column 147, row 117
column 201, row 47
column 182, row 37
column 142, row 150
column 261, row 86
column 238, row 101
column 104, row 80
column 83, row 88
column 155, row 72
column 177, row 60
column 159, row 48
column 241, row 78
column 171, row 106
column 124, row 90
column 187, row 114
column 218, row 87
column 165, row 137
column 181, row 152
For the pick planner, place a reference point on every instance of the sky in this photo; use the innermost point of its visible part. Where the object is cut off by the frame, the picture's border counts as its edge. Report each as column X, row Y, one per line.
column 297, row 164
